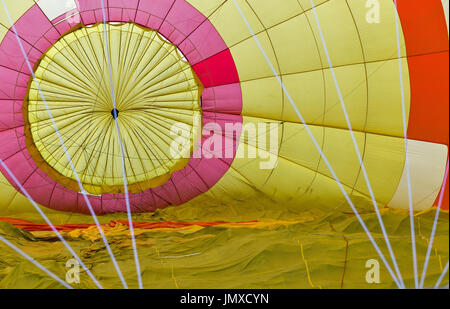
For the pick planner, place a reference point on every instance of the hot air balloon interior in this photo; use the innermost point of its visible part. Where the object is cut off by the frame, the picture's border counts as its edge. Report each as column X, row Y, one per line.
column 228, row 144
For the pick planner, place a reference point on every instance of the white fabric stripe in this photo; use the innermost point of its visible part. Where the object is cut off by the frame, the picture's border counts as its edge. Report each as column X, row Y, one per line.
column 427, row 164
column 56, row 8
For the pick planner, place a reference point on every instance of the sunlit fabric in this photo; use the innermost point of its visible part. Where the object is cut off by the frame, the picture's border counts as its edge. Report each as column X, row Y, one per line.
column 215, row 124
column 196, row 62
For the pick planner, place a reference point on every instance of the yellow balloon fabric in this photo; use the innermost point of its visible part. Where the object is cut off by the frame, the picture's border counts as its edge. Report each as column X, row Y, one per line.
column 263, row 92
column 364, row 57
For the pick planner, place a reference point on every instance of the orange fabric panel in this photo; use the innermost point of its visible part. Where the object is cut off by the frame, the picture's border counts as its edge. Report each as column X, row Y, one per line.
column 424, row 26
column 425, row 31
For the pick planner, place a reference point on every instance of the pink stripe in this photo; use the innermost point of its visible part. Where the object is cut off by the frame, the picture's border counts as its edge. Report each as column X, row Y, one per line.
column 88, row 17
column 11, row 55
column 146, row 201
column 154, row 22
column 187, row 189
column 184, row 17
column 171, row 33
column 169, row 193
column 207, row 42
column 66, row 25
column 89, row 5
column 91, row 11
column 44, row 43
column 64, row 200
column 8, row 80
column 32, row 25
column 12, row 142
column 189, row 177
column 223, row 99
column 129, row 4
column 99, row 16
column 21, row 168
column 123, row 10
column 211, row 169
column 115, row 14
column 158, row 8
column 10, row 115
column 109, row 204
column 40, row 187
column 142, row 18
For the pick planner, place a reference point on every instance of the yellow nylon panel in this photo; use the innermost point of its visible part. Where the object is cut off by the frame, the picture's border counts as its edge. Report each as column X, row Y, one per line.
column 295, row 52
column 294, row 47
column 340, row 152
column 379, row 40
column 248, row 158
column 228, row 15
column 308, row 95
column 3, row 32
column 306, row 4
column 250, row 62
column 353, row 87
column 384, row 161
column 293, row 189
column 385, row 108
column 264, row 93
column 7, row 192
column 339, row 32
column 295, row 136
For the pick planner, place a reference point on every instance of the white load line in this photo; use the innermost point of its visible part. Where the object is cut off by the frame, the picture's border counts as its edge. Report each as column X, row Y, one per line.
column 405, row 134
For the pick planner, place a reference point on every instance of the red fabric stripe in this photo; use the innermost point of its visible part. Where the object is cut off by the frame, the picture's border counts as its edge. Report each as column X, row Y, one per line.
column 217, row 70
column 425, row 32
column 428, row 119
column 34, row 227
